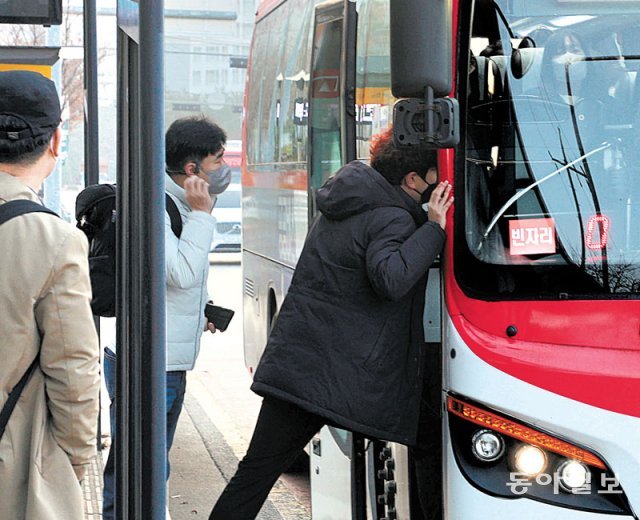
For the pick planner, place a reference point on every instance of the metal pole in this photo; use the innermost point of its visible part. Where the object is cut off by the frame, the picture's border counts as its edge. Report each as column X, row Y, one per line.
column 152, row 373
column 91, row 141
column 91, row 146
column 123, row 280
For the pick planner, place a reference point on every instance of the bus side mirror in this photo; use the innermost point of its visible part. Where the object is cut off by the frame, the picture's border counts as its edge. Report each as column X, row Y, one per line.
column 421, row 62
column 421, row 47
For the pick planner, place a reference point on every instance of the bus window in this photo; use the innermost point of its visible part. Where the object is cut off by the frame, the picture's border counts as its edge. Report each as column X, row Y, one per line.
column 373, row 74
column 254, row 92
column 264, row 91
column 295, row 85
column 325, row 100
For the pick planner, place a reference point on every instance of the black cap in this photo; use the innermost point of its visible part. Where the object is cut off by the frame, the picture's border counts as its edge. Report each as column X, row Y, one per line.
column 32, row 98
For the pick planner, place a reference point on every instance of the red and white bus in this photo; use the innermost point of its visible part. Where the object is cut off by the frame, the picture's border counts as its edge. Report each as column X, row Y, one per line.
column 535, row 312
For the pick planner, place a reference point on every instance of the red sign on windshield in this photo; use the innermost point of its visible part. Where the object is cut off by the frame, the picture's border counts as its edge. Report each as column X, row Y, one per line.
column 535, row 236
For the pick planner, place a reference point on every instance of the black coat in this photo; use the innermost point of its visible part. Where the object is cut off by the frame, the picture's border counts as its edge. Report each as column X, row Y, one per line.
column 349, row 340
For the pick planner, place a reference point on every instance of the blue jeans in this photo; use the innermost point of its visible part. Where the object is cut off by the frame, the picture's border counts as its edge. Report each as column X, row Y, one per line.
column 176, row 385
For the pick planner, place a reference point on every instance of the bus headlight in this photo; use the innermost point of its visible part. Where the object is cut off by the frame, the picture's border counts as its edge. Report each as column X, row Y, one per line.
column 529, row 460
column 511, row 459
column 573, row 475
column 487, row 445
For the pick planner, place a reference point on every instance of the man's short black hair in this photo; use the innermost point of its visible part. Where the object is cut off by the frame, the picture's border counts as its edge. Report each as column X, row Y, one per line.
column 394, row 163
column 192, row 139
column 26, row 150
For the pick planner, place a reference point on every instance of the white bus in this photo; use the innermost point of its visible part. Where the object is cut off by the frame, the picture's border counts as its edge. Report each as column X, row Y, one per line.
column 535, row 310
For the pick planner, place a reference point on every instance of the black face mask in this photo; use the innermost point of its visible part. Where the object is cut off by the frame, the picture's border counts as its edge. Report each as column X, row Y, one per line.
column 426, row 194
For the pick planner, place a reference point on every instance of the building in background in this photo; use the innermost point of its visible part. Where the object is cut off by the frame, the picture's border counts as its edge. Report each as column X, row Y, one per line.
column 206, row 46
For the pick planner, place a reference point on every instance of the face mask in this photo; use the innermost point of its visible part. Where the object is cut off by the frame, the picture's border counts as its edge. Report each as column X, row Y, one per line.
column 426, row 194
column 219, row 179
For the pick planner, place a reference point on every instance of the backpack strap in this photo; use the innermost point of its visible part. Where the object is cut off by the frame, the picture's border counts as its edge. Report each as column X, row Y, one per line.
column 9, row 210
column 174, row 215
column 8, row 407
column 15, row 208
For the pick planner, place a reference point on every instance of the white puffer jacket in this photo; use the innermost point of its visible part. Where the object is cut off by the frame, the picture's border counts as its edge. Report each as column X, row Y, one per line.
column 187, row 265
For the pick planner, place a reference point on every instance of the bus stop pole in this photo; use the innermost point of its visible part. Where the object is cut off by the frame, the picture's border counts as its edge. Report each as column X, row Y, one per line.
column 91, row 140
column 153, row 289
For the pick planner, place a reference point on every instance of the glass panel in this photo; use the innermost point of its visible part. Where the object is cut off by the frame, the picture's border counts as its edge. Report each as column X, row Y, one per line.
column 295, row 85
column 255, row 97
column 552, row 186
column 374, row 102
column 325, row 112
column 269, row 87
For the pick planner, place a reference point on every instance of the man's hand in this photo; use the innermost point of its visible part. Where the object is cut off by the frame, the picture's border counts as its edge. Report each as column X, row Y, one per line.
column 439, row 203
column 208, row 326
column 197, row 194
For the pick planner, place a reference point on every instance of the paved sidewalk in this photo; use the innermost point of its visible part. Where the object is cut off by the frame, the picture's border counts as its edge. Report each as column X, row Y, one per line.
column 92, row 490
column 202, row 461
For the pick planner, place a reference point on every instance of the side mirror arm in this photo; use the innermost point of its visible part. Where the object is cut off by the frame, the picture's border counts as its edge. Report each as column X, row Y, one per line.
column 426, row 121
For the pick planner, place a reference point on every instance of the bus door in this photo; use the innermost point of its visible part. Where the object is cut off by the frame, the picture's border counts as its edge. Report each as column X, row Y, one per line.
column 332, row 93
column 337, row 457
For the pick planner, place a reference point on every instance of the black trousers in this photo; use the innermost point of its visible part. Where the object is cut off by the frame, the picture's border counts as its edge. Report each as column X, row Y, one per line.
column 281, row 432
column 283, row 429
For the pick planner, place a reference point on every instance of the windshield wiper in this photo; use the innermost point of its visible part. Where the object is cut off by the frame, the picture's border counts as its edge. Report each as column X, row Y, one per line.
column 515, row 197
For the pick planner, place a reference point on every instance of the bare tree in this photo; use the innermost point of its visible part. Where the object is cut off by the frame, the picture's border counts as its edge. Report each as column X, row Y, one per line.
column 23, row 35
column 73, row 69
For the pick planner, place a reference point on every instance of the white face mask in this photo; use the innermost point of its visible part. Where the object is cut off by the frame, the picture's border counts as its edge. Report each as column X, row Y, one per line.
column 576, row 64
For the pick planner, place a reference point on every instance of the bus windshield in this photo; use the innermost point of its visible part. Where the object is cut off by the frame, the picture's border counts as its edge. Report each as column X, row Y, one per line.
column 552, row 150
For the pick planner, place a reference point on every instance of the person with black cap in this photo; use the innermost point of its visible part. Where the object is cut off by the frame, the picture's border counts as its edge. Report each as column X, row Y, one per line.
column 46, row 320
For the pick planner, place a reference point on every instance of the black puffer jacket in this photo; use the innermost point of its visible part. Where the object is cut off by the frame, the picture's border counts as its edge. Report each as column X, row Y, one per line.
column 348, row 342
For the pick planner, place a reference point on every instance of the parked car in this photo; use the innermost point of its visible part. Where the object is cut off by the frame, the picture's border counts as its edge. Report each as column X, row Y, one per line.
column 228, row 213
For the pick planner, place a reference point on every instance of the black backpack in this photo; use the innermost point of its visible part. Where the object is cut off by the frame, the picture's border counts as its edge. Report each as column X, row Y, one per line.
column 96, row 217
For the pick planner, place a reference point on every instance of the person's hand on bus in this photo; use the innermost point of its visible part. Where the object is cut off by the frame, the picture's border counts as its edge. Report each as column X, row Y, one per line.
column 197, row 194
column 439, row 203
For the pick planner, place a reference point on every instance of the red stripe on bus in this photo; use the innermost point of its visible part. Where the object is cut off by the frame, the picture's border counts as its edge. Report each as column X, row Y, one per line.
column 275, row 180
column 607, row 377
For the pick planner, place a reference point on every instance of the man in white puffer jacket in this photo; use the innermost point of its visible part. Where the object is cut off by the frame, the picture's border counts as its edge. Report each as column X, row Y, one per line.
column 196, row 172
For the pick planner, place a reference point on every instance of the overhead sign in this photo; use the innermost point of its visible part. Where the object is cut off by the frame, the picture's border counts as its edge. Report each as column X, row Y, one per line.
column 36, row 12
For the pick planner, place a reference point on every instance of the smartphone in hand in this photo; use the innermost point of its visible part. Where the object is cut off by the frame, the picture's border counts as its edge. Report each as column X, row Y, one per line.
column 219, row 316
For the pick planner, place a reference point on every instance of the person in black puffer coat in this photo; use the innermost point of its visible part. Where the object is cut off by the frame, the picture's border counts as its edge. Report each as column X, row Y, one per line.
column 347, row 348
